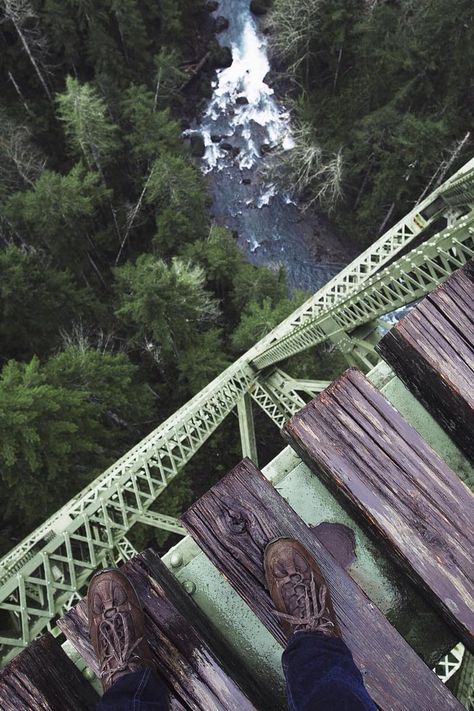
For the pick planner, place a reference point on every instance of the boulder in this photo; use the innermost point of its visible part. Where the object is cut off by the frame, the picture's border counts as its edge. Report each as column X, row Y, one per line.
column 212, row 5
column 227, row 146
column 265, row 148
column 235, row 151
column 241, row 100
column 246, row 181
column 197, row 146
column 221, row 24
column 215, row 138
column 220, row 57
column 259, row 7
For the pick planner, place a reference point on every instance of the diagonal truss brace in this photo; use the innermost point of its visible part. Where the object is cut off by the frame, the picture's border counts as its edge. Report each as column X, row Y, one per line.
column 278, row 394
column 378, row 255
column 406, row 280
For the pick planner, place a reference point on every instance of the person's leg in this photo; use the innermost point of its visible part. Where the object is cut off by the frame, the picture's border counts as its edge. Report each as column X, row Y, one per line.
column 321, row 674
column 319, row 670
column 139, row 691
column 117, row 631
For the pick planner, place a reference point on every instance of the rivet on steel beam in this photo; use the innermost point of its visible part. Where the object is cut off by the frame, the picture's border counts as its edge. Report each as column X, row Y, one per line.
column 88, row 673
column 189, row 586
column 176, row 560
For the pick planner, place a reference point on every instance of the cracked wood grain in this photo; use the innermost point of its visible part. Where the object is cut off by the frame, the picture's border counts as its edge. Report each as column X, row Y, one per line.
column 234, row 521
column 43, row 678
column 191, row 657
column 432, row 351
column 354, row 439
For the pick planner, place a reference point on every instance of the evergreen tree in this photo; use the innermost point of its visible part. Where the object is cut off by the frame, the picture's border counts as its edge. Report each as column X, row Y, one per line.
column 90, row 133
column 164, row 305
column 37, row 303
column 258, row 319
column 59, row 213
column 150, row 132
column 201, row 362
column 176, row 190
column 60, row 424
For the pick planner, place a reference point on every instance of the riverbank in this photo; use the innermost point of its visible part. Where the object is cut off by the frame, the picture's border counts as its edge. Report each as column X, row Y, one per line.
column 243, row 122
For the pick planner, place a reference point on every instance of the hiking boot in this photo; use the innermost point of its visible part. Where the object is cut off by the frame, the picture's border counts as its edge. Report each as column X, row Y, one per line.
column 116, row 626
column 298, row 589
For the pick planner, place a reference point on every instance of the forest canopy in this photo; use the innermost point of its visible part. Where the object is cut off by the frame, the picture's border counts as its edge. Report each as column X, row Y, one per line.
column 119, row 299
column 383, row 96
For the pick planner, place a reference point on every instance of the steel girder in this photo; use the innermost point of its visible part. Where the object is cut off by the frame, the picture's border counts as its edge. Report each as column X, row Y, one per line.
column 406, row 280
column 379, row 254
column 460, row 191
column 162, row 521
column 39, row 576
column 464, row 685
column 278, row 394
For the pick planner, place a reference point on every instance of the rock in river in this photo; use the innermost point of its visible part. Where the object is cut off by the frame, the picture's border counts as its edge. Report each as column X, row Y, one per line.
column 221, row 24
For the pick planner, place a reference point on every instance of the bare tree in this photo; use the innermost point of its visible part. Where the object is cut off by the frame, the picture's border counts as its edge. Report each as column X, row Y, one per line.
column 444, row 167
column 21, row 163
column 26, row 23
column 294, row 23
column 308, row 172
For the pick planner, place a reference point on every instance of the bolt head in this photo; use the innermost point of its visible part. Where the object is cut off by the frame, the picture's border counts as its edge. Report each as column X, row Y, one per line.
column 189, row 586
column 89, row 674
column 176, row 560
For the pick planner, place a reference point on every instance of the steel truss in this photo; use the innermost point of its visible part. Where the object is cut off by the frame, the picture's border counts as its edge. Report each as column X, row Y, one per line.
column 379, row 254
column 45, row 571
column 39, row 576
column 279, row 395
column 406, row 280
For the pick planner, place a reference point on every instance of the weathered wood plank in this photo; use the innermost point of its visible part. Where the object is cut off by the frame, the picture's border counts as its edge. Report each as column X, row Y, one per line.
column 234, row 521
column 191, row 657
column 432, row 351
column 362, row 447
column 42, row 677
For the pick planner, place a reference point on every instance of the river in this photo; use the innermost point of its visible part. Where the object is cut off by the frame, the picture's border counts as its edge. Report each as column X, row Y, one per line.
column 243, row 116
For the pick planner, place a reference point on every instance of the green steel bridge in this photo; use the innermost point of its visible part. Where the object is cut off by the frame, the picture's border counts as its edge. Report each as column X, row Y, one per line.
column 44, row 574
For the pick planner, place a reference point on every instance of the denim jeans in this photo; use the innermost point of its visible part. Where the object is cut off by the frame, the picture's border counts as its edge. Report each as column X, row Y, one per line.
column 319, row 671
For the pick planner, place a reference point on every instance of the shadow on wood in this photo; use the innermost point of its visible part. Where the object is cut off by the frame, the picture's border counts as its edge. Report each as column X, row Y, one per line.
column 432, row 351
column 191, row 657
column 234, row 521
column 43, row 677
column 354, row 439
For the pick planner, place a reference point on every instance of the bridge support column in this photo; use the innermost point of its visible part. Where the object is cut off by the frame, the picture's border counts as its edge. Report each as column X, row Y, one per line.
column 247, row 428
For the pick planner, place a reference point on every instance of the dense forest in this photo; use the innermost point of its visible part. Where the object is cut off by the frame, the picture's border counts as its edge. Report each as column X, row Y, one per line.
column 119, row 299
column 383, row 97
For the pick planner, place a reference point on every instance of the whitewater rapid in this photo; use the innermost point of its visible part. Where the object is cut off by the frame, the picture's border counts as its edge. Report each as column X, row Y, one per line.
column 242, row 125
column 245, row 105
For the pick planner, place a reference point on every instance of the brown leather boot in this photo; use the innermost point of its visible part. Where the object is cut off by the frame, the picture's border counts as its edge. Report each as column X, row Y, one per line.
column 116, row 626
column 298, row 589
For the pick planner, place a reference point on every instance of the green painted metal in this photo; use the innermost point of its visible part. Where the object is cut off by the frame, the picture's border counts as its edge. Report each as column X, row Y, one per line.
column 464, row 684
column 161, row 521
column 406, row 280
column 379, row 254
column 247, row 428
column 278, row 394
column 41, row 575
column 460, row 191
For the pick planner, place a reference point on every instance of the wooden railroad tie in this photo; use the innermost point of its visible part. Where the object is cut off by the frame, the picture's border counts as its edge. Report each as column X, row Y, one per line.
column 234, row 521
column 356, row 441
column 432, row 351
column 190, row 655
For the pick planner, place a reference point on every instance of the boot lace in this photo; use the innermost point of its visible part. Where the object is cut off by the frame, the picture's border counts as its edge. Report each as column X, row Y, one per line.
column 313, row 614
column 114, row 635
